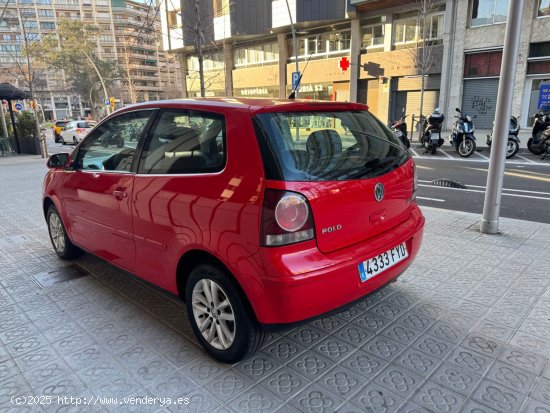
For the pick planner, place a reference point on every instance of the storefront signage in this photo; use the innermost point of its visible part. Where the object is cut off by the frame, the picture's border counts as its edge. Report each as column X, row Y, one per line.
column 311, row 88
column 255, row 91
column 544, row 95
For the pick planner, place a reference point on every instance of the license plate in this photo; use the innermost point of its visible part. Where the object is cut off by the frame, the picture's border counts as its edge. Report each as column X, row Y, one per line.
column 435, row 136
column 384, row 261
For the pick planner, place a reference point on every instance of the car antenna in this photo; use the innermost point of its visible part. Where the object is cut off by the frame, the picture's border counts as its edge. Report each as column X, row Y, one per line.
column 293, row 93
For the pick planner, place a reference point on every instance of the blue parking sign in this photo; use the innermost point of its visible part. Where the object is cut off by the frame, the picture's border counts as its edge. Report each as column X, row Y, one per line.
column 544, row 96
column 295, row 80
column 18, row 106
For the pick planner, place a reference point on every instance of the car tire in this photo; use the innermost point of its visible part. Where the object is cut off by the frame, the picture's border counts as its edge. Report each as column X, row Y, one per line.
column 61, row 243
column 62, row 140
column 235, row 336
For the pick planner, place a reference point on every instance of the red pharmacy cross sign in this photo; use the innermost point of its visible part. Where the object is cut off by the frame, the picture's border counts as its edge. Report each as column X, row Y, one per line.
column 343, row 63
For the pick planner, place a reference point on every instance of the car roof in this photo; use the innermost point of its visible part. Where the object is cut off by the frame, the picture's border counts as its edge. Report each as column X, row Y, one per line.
column 253, row 105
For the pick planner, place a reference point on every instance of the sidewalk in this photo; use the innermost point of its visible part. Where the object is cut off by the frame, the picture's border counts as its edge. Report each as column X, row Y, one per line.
column 466, row 327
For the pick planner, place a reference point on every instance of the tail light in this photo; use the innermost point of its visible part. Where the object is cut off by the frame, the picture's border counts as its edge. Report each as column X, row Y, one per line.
column 415, row 182
column 286, row 218
column 80, row 130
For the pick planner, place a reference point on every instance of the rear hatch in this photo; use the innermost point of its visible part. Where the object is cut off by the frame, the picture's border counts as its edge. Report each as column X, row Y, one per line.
column 357, row 177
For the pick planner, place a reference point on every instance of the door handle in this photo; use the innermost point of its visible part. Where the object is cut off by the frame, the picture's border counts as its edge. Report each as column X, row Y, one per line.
column 120, row 195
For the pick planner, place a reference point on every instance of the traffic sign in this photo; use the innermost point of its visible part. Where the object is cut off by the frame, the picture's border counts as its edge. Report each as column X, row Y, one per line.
column 295, row 80
column 343, row 63
column 106, row 102
column 18, row 106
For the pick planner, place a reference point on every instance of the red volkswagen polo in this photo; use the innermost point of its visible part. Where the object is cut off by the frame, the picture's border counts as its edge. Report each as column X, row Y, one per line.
column 255, row 212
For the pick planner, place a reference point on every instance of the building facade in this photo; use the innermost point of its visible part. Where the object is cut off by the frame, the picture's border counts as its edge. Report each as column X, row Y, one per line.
column 129, row 33
column 403, row 56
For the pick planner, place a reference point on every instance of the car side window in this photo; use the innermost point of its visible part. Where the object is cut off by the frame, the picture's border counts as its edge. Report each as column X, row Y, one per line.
column 111, row 146
column 182, row 142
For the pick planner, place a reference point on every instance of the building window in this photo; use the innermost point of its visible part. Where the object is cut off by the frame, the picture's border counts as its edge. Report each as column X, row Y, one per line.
column 436, row 25
column 221, row 8
column 486, row 12
column 373, row 36
column 257, row 54
column 172, row 18
column 544, row 8
column 47, row 25
column 406, row 30
column 45, row 13
column 483, row 64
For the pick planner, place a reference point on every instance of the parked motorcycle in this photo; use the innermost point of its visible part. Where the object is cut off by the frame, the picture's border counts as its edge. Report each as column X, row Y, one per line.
column 431, row 138
column 399, row 129
column 512, row 146
column 462, row 136
column 539, row 142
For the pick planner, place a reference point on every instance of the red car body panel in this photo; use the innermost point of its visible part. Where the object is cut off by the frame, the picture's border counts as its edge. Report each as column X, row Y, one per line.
column 163, row 217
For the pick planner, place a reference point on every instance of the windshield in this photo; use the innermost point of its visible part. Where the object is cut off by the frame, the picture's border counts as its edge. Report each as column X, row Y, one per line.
column 327, row 146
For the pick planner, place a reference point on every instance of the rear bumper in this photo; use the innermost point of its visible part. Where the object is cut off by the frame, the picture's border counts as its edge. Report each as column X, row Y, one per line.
column 309, row 283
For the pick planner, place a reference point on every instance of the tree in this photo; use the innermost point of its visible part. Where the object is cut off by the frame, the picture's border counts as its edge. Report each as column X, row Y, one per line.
column 73, row 48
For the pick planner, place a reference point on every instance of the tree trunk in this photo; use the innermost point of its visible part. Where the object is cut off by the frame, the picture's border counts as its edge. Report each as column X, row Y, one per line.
column 198, row 44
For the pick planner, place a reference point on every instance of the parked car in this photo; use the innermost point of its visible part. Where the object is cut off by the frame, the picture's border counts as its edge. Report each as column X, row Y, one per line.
column 257, row 213
column 76, row 130
column 57, row 128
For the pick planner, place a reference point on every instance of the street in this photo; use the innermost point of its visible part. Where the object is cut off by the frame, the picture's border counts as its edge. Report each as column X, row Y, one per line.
column 526, row 193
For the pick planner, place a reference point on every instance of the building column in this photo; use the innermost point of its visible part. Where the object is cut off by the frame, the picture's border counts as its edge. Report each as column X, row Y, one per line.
column 446, row 64
column 388, row 33
column 228, row 67
column 283, row 59
column 355, row 67
column 183, row 70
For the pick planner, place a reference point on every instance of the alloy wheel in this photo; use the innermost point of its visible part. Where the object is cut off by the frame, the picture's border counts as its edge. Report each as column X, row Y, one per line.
column 510, row 149
column 466, row 147
column 57, row 233
column 213, row 314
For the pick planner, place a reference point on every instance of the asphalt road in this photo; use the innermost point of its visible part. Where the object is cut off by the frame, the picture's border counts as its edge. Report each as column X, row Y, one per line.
column 526, row 187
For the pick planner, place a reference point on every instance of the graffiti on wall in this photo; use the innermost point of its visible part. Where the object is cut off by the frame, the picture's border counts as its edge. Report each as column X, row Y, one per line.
column 481, row 105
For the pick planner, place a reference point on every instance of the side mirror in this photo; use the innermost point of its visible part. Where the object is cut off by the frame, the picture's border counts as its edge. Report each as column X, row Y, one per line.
column 59, row 160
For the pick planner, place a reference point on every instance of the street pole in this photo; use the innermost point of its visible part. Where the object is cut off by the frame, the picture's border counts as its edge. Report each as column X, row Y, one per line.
column 4, row 127
column 497, row 163
column 294, row 43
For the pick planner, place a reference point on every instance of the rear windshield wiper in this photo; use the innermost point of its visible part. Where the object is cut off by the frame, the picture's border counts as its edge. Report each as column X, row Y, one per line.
column 370, row 135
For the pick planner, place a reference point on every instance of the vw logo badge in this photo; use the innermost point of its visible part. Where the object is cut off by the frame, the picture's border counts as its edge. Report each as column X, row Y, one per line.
column 379, row 192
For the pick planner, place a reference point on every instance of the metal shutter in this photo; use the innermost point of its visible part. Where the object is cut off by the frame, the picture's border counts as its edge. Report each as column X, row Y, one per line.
column 372, row 96
column 480, row 98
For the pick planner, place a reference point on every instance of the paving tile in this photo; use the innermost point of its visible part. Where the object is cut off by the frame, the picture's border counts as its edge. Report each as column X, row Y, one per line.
column 258, row 367
column 102, row 371
column 255, row 401
column 333, row 349
column 119, row 386
column 470, row 360
column 531, row 343
column 387, row 310
column 400, row 333
column 149, row 371
column 454, row 378
column 26, row 344
column 41, row 375
column 536, row 406
column 436, row 398
column 204, row 369
column 542, row 391
column 384, row 348
column 85, row 356
column 498, row 397
column 371, row 322
column 433, row 346
column 201, row 401
column 410, row 407
column 135, row 354
column 307, row 336
column 399, row 380
column 285, row 383
column 536, row 328
column 24, row 330
column 176, row 384
column 316, row 398
column 229, row 384
column 342, row 382
column 66, row 385
column 363, row 363
column 328, row 324
column 36, row 358
column 529, row 362
column 284, row 350
column 446, row 331
column 353, row 335
column 472, row 406
column 417, row 362
column 311, row 365
column 415, row 320
column 8, row 368
column 73, row 343
column 375, row 398
column 511, row 377
column 483, row 345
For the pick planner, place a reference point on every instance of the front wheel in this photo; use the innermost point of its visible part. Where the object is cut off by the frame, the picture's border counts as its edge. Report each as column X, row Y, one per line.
column 221, row 318
column 511, row 148
column 466, row 148
column 59, row 238
column 434, row 148
column 424, row 141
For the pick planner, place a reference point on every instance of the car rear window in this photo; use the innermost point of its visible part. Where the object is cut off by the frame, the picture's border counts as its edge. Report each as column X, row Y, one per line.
column 327, row 146
column 61, row 123
column 86, row 124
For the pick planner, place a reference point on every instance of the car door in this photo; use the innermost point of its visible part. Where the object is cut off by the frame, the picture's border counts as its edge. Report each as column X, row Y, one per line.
column 98, row 191
column 177, row 190
column 66, row 131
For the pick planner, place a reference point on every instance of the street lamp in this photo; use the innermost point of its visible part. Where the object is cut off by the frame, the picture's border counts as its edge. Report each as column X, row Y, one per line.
column 101, row 82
